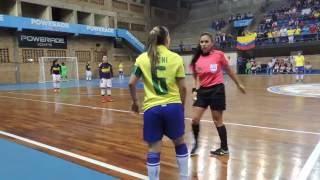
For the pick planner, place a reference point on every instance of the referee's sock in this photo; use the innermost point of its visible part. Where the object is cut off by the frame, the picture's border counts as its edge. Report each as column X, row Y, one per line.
column 222, row 131
column 195, row 130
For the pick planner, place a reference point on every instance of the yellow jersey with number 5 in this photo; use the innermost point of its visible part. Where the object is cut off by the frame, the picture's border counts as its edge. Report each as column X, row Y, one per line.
column 162, row 89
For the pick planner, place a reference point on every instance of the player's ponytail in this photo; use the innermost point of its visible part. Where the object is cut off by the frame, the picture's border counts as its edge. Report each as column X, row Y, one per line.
column 157, row 36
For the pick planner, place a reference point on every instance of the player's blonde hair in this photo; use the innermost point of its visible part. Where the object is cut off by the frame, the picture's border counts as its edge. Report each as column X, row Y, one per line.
column 157, row 36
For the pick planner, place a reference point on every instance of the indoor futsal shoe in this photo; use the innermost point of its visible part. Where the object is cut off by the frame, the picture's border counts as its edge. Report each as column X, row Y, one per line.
column 109, row 99
column 194, row 150
column 219, row 152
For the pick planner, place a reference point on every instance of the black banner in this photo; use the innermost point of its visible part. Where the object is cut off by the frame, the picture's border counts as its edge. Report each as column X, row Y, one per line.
column 31, row 40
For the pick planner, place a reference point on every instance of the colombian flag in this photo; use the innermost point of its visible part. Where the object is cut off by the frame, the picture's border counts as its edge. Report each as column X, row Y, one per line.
column 246, row 42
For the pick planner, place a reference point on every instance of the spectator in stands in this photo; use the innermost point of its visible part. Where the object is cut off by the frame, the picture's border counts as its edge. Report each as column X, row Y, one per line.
column 308, row 68
column 254, row 67
column 248, row 67
column 289, row 68
column 276, row 36
column 274, row 60
column 313, row 31
column 291, row 35
column 283, row 34
column 181, row 46
column 282, row 68
column 305, row 32
column 291, row 59
column 218, row 40
column 270, row 67
column 297, row 33
column 223, row 40
column 276, row 68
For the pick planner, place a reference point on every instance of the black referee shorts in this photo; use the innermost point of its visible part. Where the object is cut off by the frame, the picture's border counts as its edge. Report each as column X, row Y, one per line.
column 213, row 96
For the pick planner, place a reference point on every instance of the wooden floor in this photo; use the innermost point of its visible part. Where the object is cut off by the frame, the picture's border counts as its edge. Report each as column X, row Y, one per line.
column 270, row 136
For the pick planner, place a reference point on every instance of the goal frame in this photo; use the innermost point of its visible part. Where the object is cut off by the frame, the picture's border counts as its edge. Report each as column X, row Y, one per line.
column 42, row 70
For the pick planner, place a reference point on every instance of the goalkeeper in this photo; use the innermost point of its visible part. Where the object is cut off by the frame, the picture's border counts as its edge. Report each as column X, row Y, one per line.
column 64, row 72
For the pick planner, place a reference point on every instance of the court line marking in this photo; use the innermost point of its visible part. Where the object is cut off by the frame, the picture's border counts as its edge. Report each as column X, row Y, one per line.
column 127, row 111
column 52, row 95
column 308, row 166
column 76, row 156
column 63, row 95
column 275, row 90
column 304, row 173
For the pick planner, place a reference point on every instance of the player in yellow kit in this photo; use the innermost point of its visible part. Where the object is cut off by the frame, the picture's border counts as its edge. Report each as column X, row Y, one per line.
column 163, row 74
column 299, row 60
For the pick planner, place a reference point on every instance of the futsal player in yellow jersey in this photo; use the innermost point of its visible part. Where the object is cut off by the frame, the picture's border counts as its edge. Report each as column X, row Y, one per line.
column 299, row 60
column 120, row 67
column 162, row 72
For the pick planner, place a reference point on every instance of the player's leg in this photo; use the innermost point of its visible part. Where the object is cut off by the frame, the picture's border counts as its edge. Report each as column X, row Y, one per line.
column 152, row 134
column 297, row 74
column 217, row 116
column 302, row 74
column 174, row 129
column 103, row 85
column 217, row 106
column 54, row 82
column 197, row 113
column 58, row 79
column 89, row 75
column 199, row 106
column 109, row 86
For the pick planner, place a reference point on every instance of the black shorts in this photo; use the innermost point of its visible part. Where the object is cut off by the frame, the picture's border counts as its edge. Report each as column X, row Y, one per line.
column 213, row 96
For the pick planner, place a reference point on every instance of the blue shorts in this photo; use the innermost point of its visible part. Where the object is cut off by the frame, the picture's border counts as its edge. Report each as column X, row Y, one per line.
column 300, row 69
column 163, row 120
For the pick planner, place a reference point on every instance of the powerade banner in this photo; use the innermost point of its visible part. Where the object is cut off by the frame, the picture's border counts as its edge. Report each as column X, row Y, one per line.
column 95, row 30
column 32, row 40
column 242, row 23
column 22, row 23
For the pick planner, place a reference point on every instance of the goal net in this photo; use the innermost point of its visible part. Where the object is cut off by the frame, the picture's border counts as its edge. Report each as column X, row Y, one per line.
column 45, row 64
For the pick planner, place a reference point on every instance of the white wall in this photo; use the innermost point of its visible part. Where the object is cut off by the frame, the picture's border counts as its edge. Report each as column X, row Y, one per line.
column 233, row 56
column 187, row 61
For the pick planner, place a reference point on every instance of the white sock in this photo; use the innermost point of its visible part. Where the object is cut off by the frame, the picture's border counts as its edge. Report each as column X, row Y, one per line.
column 58, row 85
column 183, row 167
column 103, row 92
column 109, row 91
column 153, row 165
column 297, row 77
column 182, row 161
column 153, row 172
column 54, row 85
